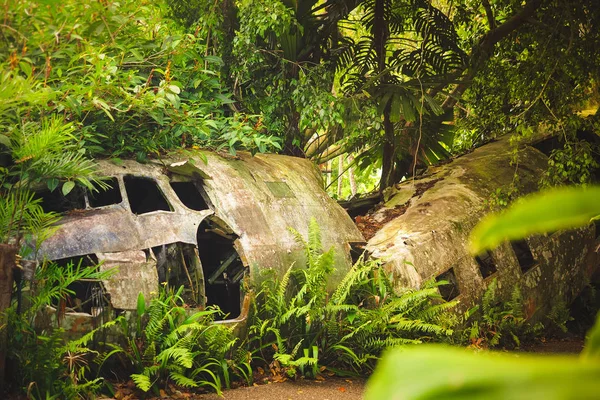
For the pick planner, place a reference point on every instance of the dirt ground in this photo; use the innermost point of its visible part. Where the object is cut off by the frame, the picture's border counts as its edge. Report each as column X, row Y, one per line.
column 329, row 389
column 568, row 345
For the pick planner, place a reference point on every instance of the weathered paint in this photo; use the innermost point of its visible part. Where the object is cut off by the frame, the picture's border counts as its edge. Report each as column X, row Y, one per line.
column 241, row 192
column 431, row 236
column 252, row 199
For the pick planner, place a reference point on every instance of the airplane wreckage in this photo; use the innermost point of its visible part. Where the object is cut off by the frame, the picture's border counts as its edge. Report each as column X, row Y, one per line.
column 206, row 224
column 203, row 224
column 423, row 229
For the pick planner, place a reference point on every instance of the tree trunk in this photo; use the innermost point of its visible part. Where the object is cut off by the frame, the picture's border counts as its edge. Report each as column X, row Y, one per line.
column 351, row 176
column 340, row 176
column 389, row 152
column 8, row 255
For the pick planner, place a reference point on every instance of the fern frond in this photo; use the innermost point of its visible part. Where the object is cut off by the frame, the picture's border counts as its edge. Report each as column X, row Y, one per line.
column 142, row 381
column 183, row 380
column 181, row 356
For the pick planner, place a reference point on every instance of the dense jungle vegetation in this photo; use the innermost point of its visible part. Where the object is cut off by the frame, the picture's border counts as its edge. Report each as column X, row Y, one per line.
column 372, row 91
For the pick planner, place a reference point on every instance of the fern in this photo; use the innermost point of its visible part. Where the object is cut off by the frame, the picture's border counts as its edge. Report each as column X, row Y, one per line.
column 142, row 381
column 181, row 356
column 183, row 380
column 502, row 322
column 305, row 326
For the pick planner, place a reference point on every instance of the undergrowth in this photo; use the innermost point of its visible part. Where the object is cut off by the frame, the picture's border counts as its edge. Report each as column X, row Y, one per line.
column 300, row 328
column 44, row 363
column 168, row 345
column 502, row 322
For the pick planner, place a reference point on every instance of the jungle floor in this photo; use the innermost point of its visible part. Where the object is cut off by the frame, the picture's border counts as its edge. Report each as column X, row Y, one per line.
column 331, row 388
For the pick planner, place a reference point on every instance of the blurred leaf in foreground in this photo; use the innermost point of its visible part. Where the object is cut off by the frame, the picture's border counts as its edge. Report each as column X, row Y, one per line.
column 438, row 372
column 542, row 212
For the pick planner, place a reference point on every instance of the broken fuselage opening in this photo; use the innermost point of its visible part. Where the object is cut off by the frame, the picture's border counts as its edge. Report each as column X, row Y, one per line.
column 178, row 265
column 85, row 295
column 144, row 195
column 222, row 268
column 106, row 196
column 189, row 194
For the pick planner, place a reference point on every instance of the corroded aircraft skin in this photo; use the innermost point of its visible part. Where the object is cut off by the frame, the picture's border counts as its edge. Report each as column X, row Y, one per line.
column 204, row 221
column 427, row 238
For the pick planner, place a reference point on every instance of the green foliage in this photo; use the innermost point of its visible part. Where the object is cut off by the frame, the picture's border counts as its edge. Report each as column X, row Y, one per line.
column 591, row 350
column 169, row 345
column 301, row 326
column 546, row 211
column 559, row 315
column 124, row 77
column 502, row 322
column 573, row 164
column 437, row 372
column 43, row 153
column 45, row 364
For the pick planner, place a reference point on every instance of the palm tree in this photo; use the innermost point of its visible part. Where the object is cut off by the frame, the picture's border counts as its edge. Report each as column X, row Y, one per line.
column 409, row 45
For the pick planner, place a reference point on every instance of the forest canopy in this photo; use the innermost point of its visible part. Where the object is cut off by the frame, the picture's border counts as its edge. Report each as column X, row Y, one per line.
column 387, row 85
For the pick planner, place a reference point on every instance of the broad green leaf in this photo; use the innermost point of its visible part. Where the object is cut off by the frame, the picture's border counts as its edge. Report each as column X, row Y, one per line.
column 67, row 187
column 395, row 108
column 52, row 184
column 542, row 212
column 175, row 89
column 214, row 59
column 141, row 304
column 592, row 343
column 5, row 140
column 408, row 110
column 436, row 372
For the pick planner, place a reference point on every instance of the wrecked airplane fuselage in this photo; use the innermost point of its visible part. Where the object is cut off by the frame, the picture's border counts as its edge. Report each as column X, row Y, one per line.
column 192, row 223
column 425, row 225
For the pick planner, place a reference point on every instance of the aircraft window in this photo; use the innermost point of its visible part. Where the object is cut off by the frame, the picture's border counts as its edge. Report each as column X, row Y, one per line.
column 106, row 197
column 450, row 290
column 144, row 195
column 523, row 253
column 487, row 265
column 189, row 195
column 55, row 201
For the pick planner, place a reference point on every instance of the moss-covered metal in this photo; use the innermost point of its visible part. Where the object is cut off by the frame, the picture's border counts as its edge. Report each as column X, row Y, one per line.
column 431, row 236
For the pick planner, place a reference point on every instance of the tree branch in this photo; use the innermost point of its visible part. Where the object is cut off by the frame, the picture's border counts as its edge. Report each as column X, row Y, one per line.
column 483, row 50
column 489, row 14
column 488, row 41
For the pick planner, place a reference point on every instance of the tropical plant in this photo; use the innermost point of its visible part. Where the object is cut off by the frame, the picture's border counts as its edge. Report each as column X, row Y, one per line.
column 550, row 210
column 502, row 322
column 435, row 371
column 44, row 363
column 169, row 345
column 300, row 327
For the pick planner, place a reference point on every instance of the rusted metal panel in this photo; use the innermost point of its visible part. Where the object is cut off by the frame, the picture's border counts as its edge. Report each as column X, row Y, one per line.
column 134, row 273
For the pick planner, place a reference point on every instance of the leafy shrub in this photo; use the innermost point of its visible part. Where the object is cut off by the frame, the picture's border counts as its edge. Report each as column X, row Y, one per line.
column 502, row 323
column 126, row 77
